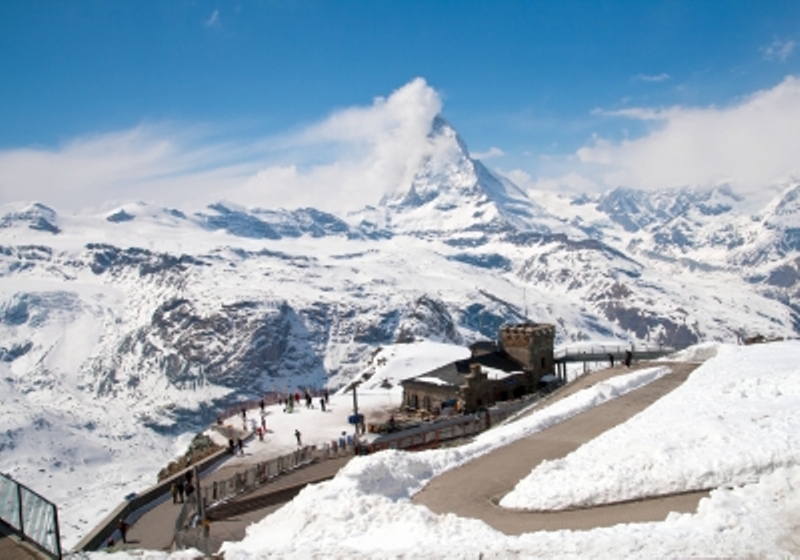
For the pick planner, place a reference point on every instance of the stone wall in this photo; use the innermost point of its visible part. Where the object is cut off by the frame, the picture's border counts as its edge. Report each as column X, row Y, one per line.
column 427, row 396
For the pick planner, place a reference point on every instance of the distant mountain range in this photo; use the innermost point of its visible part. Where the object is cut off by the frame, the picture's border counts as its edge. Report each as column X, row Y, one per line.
column 144, row 299
column 122, row 333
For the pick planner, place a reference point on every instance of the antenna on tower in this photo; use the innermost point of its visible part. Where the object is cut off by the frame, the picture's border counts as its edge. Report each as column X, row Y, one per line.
column 525, row 299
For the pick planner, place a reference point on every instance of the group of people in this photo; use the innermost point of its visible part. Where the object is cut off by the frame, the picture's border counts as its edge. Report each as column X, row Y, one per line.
column 182, row 487
column 291, row 401
column 233, row 447
column 628, row 358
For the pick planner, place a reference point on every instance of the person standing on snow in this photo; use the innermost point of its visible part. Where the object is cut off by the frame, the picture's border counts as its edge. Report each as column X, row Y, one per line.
column 297, row 435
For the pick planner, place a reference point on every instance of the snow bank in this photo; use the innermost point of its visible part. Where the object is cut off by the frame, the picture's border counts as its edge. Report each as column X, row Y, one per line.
column 733, row 420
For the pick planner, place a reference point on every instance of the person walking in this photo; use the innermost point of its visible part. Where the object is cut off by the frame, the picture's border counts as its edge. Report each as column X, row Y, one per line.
column 322, row 403
column 240, row 445
column 179, row 487
column 123, row 529
column 297, row 435
column 174, row 491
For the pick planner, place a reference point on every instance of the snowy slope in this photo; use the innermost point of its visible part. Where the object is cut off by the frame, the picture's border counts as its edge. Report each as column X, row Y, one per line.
column 138, row 325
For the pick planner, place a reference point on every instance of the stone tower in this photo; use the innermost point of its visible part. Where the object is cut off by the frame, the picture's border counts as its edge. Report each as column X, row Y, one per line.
column 531, row 345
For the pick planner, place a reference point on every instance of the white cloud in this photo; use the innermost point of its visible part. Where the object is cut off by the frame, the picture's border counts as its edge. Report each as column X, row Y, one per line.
column 349, row 159
column 778, row 50
column 652, row 77
column 749, row 144
column 372, row 151
column 569, row 182
column 213, row 19
column 488, row 154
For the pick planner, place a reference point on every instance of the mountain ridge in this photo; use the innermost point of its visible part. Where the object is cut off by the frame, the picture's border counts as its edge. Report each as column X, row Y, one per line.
column 133, row 327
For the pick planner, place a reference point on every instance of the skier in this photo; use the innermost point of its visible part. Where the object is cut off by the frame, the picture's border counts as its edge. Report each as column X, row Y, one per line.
column 297, row 435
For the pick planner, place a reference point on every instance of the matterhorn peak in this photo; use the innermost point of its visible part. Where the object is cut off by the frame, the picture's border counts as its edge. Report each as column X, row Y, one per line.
column 450, row 191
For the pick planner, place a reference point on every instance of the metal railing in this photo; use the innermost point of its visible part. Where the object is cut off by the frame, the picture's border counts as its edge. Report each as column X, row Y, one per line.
column 244, row 481
column 188, row 525
column 580, row 351
column 431, row 435
column 30, row 516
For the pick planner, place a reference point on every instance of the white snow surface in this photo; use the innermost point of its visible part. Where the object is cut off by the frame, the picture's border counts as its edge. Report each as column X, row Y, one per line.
column 730, row 428
column 733, row 420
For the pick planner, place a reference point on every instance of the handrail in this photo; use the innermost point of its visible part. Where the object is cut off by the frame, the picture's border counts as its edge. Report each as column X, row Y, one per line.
column 617, row 350
column 30, row 516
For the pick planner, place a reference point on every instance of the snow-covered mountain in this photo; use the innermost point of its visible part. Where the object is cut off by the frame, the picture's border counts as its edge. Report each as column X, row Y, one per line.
column 141, row 323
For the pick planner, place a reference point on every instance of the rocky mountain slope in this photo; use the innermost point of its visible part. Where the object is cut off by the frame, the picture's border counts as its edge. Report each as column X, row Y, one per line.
column 172, row 311
column 123, row 334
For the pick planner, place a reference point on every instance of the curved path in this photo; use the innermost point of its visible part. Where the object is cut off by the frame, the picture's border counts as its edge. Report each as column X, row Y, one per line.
column 474, row 489
column 155, row 529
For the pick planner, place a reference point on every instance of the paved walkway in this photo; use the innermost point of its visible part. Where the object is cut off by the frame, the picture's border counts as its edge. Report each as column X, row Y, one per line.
column 12, row 548
column 155, row 529
column 474, row 489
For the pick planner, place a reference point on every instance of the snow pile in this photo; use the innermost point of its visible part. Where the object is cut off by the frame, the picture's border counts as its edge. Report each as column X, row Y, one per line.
column 365, row 512
column 733, row 420
column 698, row 353
column 370, row 494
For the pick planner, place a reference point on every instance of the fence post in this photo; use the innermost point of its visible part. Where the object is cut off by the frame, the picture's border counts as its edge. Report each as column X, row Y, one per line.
column 19, row 509
column 57, row 532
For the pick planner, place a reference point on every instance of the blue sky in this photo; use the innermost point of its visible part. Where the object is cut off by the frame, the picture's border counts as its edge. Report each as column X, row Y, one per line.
column 118, row 100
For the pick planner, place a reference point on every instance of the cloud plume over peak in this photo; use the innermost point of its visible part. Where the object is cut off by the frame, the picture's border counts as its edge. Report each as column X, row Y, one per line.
column 348, row 159
column 371, row 151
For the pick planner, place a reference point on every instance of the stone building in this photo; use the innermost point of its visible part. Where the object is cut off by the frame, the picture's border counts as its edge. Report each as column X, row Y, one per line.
column 496, row 371
column 532, row 346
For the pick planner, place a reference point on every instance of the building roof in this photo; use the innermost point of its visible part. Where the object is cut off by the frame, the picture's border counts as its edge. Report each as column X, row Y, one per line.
column 453, row 374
